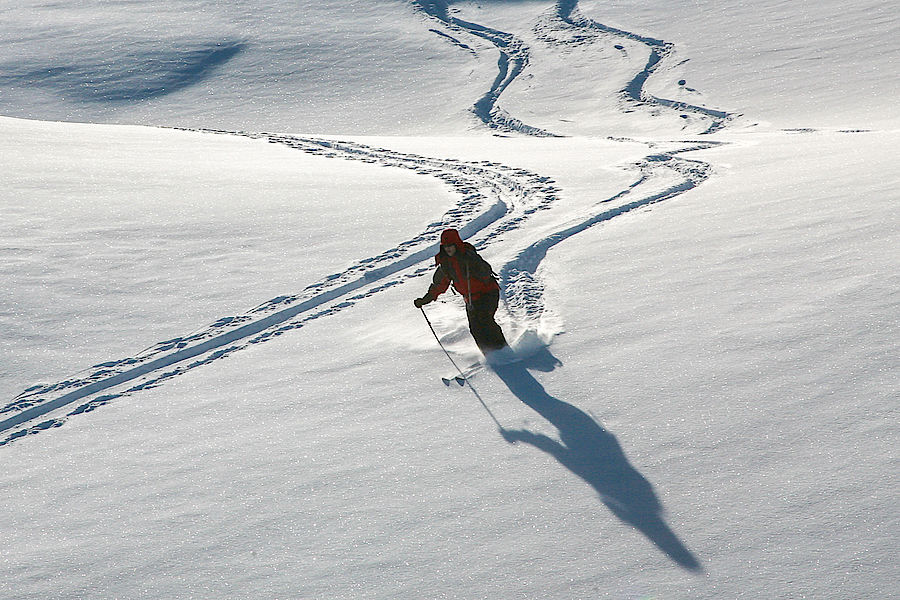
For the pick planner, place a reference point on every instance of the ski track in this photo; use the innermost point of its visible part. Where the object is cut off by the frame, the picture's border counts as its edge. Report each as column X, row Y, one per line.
column 567, row 16
column 521, row 286
column 564, row 25
column 514, row 57
column 494, row 199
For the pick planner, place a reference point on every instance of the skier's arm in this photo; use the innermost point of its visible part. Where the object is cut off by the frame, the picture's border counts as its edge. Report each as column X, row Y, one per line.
column 439, row 284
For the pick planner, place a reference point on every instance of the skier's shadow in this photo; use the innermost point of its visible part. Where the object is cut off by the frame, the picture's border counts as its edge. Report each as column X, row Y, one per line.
column 594, row 454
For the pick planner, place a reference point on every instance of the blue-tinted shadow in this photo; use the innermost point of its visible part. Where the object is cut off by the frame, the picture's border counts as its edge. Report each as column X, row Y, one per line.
column 593, row 454
column 139, row 73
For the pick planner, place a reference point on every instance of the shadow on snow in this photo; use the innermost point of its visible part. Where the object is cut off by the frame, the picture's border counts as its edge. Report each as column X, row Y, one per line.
column 593, row 454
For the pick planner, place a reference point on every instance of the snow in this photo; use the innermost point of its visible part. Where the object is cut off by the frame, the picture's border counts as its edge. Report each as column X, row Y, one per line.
column 215, row 219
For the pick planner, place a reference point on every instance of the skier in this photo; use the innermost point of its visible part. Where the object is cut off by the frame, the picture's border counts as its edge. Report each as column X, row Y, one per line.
column 458, row 263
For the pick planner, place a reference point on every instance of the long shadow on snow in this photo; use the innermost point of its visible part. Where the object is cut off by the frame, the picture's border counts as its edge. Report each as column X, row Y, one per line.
column 594, row 454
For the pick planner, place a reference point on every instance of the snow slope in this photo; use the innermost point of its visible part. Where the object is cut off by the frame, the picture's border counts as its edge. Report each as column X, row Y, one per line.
column 209, row 334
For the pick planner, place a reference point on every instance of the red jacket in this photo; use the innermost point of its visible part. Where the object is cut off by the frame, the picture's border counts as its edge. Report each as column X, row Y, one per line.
column 470, row 274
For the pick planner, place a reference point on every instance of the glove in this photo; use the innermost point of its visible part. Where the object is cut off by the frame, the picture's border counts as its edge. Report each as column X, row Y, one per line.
column 420, row 302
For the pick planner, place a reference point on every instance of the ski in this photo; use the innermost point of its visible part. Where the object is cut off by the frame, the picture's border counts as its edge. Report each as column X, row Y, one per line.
column 461, row 378
column 498, row 358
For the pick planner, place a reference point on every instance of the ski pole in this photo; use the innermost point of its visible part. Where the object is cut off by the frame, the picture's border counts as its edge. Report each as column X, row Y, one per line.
column 474, row 391
column 433, row 332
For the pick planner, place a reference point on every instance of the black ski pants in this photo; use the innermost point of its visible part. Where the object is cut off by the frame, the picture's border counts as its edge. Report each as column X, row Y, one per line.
column 484, row 328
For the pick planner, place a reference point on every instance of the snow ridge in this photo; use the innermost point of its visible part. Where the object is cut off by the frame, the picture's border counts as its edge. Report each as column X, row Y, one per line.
column 148, row 72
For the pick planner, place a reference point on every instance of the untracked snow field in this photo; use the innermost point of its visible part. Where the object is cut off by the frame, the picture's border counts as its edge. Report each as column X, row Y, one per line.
column 215, row 217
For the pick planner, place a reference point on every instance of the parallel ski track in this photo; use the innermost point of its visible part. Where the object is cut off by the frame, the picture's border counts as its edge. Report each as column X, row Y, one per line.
column 515, row 56
column 494, row 199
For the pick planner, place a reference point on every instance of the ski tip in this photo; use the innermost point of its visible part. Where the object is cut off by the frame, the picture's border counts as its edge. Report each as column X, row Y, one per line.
column 446, row 381
column 461, row 380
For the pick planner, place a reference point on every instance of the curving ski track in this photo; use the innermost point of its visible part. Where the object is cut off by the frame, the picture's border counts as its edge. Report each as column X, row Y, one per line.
column 522, row 288
column 515, row 56
column 567, row 12
column 494, row 199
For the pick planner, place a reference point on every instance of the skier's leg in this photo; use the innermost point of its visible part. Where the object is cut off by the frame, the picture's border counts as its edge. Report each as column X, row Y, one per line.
column 487, row 333
column 475, row 325
column 496, row 339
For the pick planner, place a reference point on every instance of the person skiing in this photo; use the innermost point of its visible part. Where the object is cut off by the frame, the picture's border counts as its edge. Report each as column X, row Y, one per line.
column 458, row 263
